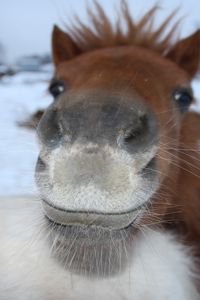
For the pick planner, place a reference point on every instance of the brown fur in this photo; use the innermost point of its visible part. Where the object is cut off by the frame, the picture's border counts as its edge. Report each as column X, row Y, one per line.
column 188, row 187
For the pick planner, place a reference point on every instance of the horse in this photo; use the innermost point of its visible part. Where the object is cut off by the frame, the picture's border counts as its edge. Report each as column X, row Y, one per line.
column 118, row 169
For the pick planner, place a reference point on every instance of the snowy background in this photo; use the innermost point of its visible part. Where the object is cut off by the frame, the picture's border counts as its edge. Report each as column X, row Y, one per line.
column 25, row 92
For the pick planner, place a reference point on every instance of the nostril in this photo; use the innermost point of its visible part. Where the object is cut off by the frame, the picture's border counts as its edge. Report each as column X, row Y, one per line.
column 40, row 166
column 48, row 129
column 136, row 130
column 132, row 134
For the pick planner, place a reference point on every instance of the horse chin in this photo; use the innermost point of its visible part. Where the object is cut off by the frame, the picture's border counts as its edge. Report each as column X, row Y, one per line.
column 91, row 251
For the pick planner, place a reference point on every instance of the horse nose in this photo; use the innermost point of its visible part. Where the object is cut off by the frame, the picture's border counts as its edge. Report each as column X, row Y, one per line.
column 132, row 125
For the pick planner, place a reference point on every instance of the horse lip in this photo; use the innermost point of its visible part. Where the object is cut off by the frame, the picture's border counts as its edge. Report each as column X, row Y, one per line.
column 112, row 221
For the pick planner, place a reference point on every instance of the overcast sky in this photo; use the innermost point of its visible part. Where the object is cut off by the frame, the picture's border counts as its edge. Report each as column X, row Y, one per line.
column 25, row 25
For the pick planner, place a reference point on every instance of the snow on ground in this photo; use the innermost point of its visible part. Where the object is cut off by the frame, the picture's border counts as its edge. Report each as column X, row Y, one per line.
column 21, row 95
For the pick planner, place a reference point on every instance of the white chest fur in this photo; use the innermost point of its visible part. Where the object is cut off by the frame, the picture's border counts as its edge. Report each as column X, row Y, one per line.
column 160, row 268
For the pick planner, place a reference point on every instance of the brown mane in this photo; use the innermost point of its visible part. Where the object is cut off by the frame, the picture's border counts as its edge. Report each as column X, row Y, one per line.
column 101, row 33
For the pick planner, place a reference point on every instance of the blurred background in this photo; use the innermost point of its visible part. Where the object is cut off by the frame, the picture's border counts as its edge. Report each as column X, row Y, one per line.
column 25, row 69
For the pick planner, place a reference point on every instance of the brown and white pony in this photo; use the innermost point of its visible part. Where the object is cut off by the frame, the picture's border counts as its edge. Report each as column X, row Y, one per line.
column 118, row 171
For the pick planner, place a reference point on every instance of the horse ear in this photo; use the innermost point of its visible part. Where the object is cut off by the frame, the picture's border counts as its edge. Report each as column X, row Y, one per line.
column 63, row 47
column 186, row 54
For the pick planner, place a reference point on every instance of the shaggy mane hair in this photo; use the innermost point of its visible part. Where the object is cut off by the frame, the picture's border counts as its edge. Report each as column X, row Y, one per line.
column 101, row 33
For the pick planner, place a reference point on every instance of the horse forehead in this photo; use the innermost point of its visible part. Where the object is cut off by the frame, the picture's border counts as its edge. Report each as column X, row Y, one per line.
column 113, row 73
column 113, row 59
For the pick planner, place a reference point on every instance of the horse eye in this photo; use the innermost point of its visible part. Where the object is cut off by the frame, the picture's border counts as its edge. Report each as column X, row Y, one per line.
column 183, row 97
column 56, row 88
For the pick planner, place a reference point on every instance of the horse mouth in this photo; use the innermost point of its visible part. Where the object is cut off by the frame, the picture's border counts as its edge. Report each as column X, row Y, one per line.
column 85, row 219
